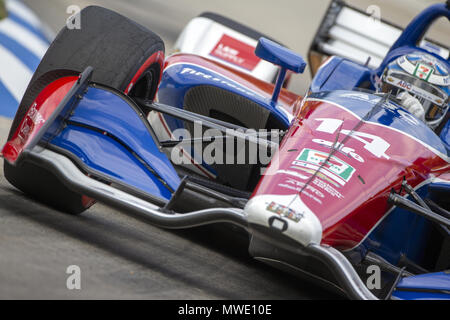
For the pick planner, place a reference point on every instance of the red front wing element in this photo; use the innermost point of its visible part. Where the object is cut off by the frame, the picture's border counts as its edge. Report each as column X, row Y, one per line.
column 40, row 111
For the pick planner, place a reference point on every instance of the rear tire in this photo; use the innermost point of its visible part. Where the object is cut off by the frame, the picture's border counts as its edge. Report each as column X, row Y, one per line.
column 125, row 56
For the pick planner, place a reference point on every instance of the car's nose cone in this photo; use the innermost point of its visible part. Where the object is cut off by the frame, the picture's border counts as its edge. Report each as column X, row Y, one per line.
column 287, row 214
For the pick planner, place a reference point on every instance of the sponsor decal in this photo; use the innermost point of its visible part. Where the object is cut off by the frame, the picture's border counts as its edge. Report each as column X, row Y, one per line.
column 308, row 187
column 298, row 186
column 35, row 116
column 328, row 188
column 236, row 52
column 414, row 89
column 320, row 181
column 403, row 84
column 217, row 79
column 425, row 67
column 292, row 173
column 349, row 152
column 374, row 144
column 319, row 175
column 333, row 167
column 284, row 211
column 423, row 71
column 33, row 119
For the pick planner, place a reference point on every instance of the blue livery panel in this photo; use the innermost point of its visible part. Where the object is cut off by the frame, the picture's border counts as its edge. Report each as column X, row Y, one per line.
column 108, row 134
column 179, row 78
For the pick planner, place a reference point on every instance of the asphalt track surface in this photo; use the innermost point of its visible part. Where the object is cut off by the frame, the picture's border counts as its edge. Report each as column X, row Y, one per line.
column 122, row 256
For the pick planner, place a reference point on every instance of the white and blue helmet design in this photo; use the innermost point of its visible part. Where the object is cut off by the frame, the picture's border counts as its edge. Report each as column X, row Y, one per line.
column 424, row 77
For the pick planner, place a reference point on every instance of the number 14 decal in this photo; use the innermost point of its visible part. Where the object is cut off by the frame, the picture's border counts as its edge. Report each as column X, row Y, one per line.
column 374, row 144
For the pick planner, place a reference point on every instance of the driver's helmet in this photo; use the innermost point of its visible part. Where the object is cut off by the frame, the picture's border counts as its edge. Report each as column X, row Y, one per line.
column 424, row 77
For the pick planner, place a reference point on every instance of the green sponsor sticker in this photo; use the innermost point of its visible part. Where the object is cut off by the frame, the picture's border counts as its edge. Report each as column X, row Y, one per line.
column 334, row 165
column 423, row 71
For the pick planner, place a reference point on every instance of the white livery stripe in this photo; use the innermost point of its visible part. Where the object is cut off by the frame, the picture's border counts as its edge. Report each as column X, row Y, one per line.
column 14, row 75
column 24, row 37
column 22, row 11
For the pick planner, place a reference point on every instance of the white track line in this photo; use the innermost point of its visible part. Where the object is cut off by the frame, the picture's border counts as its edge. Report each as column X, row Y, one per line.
column 14, row 75
column 22, row 11
column 23, row 36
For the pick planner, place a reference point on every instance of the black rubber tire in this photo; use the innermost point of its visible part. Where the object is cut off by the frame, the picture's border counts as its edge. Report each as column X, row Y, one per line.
column 116, row 48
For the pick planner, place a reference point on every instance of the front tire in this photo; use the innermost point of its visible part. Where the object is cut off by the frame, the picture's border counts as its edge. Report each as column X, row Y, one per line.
column 125, row 56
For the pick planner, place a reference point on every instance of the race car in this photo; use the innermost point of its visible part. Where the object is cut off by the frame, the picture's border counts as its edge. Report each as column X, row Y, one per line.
column 347, row 185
